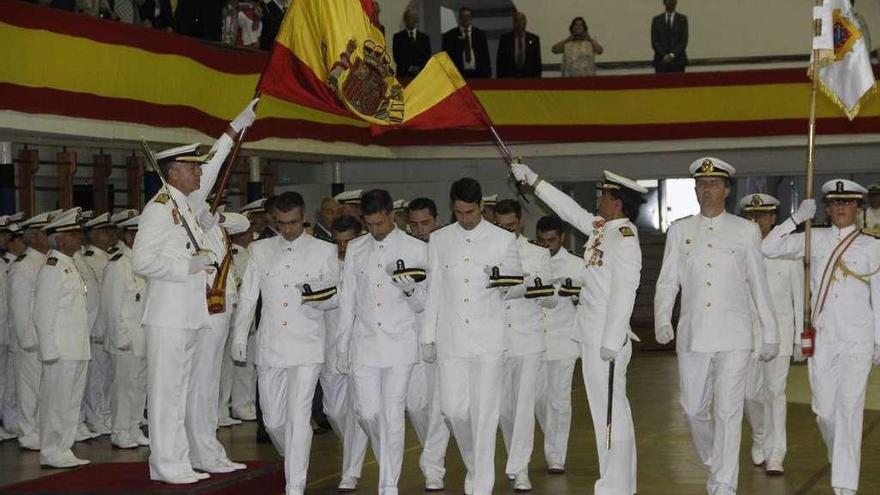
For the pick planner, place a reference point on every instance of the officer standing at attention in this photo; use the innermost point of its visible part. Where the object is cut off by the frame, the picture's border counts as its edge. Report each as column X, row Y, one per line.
column 176, row 307
column 715, row 259
column 845, row 281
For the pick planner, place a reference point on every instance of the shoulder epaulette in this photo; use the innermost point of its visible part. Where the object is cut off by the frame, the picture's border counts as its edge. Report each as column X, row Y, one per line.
column 162, row 198
column 872, row 233
column 89, row 253
column 52, row 261
column 20, row 257
column 116, row 257
column 626, row 231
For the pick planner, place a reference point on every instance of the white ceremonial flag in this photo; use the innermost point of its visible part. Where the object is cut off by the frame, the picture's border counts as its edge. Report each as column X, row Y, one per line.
column 845, row 72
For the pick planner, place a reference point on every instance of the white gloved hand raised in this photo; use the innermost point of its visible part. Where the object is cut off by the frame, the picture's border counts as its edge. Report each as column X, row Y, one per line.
column 798, row 354
column 768, row 351
column 607, row 354
column 343, row 363
column 429, row 352
column 247, row 116
column 806, row 211
column 664, row 334
column 239, row 350
column 200, row 261
column 208, row 220
column 522, row 173
column 404, row 283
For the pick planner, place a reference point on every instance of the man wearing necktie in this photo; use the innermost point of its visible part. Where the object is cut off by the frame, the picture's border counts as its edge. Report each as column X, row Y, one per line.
column 467, row 47
column 519, row 51
column 669, row 38
column 412, row 48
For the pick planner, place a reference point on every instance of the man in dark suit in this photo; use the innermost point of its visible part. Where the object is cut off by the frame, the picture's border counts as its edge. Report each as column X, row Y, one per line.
column 467, row 47
column 412, row 48
column 273, row 16
column 519, row 52
column 669, row 37
column 158, row 12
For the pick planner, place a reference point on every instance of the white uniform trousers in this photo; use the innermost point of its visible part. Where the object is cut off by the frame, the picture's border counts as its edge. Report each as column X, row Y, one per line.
column 8, row 394
column 423, row 406
column 470, row 395
column 517, row 414
column 380, row 404
column 30, row 371
column 720, row 377
column 286, row 401
column 99, row 380
column 617, row 467
column 766, row 404
column 338, row 405
column 169, row 364
column 128, row 395
column 838, row 380
column 244, row 383
column 61, row 394
column 227, row 372
column 553, row 407
column 204, row 392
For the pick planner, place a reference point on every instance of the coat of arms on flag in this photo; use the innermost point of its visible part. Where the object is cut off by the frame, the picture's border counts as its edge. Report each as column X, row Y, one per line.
column 367, row 83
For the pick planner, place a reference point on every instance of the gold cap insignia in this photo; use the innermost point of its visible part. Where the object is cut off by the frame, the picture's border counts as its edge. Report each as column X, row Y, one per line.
column 708, row 166
column 756, row 200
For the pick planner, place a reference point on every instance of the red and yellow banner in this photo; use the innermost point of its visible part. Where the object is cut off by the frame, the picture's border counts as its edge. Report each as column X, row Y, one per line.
column 86, row 70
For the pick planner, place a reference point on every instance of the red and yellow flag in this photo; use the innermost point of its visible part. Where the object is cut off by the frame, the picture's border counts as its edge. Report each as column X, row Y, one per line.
column 330, row 55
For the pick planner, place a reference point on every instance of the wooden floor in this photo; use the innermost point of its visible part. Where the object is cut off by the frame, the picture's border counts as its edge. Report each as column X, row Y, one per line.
column 667, row 462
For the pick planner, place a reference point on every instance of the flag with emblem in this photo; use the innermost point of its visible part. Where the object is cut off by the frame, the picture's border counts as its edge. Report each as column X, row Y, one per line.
column 330, row 56
column 845, row 73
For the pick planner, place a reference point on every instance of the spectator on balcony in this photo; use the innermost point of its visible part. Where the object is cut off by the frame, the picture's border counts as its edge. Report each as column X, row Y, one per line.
column 467, row 47
column 412, row 48
column 200, row 18
column 241, row 26
column 127, row 10
column 519, row 51
column 273, row 16
column 95, row 8
column 157, row 14
column 578, row 51
column 669, row 37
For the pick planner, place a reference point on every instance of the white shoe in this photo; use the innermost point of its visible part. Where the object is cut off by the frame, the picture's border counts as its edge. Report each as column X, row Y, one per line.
column 178, row 480
column 434, row 485
column 347, row 484
column 6, row 435
column 758, row 458
column 468, row 485
column 774, row 467
column 67, row 460
column 124, row 443
column 249, row 413
column 218, row 467
column 141, row 439
column 201, row 476
column 522, row 483
column 227, row 421
column 234, row 465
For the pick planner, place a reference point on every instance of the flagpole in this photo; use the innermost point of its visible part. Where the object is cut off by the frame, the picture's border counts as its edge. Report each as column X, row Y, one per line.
column 227, row 172
column 509, row 158
column 808, row 194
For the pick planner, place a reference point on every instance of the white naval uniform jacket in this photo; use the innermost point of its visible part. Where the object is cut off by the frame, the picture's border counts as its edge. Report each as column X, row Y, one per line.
column 60, row 312
column 290, row 333
column 719, row 266
column 560, row 320
column 162, row 251
column 851, row 314
column 5, row 319
column 377, row 321
column 786, row 280
column 461, row 315
column 613, row 269
column 525, row 322
column 122, row 300
column 331, row 335
column 91, row 261
column 22, row 277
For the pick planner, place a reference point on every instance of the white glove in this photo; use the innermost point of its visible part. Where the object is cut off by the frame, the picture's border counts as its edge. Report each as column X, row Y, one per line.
column 768, row 351
column 343, row 364
column 607, row 354
column 798, row 354
column 239, row 350
column 522, row 173
column 208, row 220
column 199, row 262
column 806, row 211
column 429, row 353
column 247, row 116
column 876, row 354
column 404, row 283
column 664, row 334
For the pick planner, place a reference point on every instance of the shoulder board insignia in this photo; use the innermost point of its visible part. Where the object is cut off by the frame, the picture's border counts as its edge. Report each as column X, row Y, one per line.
column 872, row 233
column 626, row 231
column 415, row 237
column 20, row 257
column 52, row 261
column 162, row 198
column 89, row 253
column 116, row 257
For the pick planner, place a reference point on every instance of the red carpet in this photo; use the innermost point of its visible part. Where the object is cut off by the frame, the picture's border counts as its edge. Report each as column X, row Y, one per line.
column 132, row 478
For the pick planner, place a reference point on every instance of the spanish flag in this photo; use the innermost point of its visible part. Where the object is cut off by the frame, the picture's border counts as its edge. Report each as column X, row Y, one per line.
column 330, row 56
